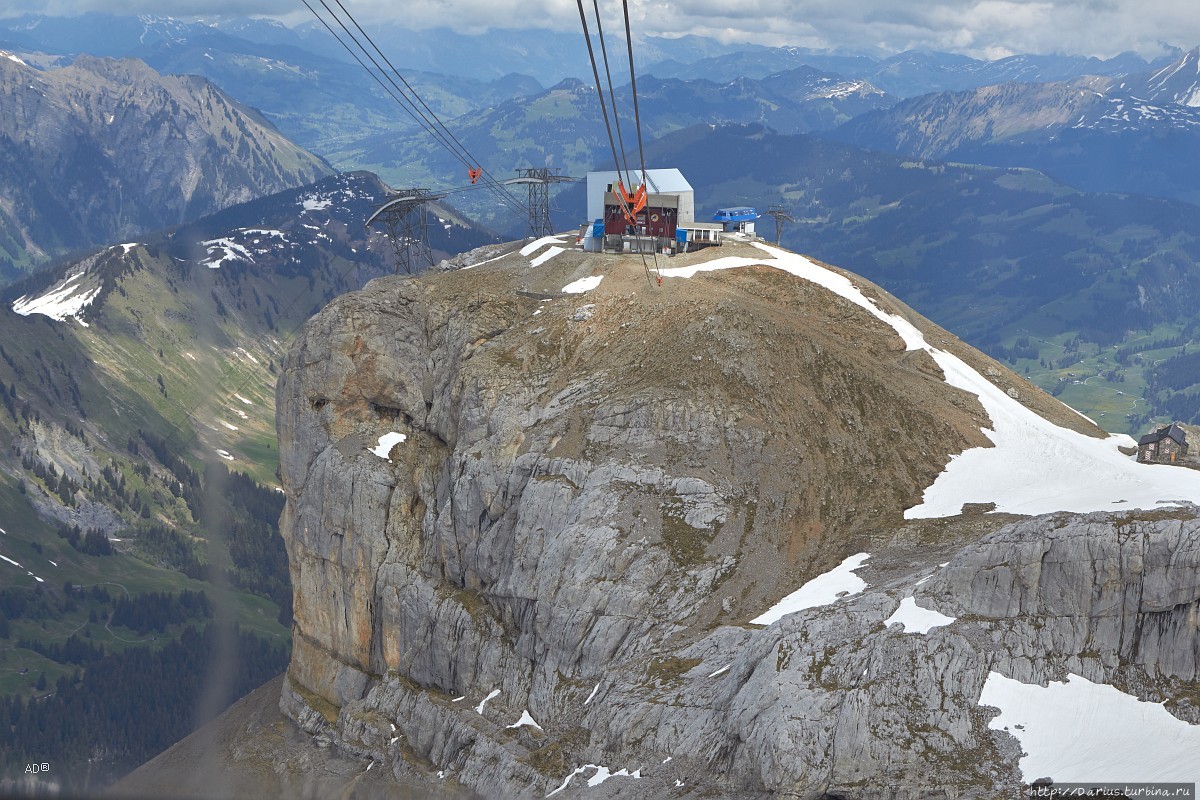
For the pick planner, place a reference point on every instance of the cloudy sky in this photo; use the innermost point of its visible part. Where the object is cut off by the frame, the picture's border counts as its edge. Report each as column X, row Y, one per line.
column 980, row 28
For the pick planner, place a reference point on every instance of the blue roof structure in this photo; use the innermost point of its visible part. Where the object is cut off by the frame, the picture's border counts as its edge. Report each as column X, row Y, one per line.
column 737, row 214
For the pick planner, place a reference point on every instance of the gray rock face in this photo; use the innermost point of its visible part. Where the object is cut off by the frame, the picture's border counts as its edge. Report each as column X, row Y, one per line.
column 582, row 518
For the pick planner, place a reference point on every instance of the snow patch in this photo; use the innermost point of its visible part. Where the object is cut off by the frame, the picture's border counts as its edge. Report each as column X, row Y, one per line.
column 822, row 590
column 595, row 689
column 721, row 671
column 526, row 719
column 221, row 250
column 223, row 454
column 314, row 203
column 601, row 774
column 484, row 701
column 386, row 443
column 540, row 243
column 583, row 285
column 244, row 400
column 9, row 560
column 546, row 256
column 227, row 425
column 68, row 298
column 1037, row 467
column 12, row 57
column 916, row 619
column 1076, row 731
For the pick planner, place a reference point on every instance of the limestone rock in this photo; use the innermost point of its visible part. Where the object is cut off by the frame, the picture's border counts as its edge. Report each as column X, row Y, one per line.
column 568, row 533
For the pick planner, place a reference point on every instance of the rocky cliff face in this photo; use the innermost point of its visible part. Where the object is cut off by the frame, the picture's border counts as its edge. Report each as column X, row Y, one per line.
column 106, row 149
column 512, row 504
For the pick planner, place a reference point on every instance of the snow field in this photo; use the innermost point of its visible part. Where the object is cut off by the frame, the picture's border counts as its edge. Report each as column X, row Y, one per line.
column 546, row 256
column 601, row 774
column 583, row 285
column 539, row 244
column 482, row 703
column 222, row 250
column 66, row 299
column 1076, row 731
column 525, row 720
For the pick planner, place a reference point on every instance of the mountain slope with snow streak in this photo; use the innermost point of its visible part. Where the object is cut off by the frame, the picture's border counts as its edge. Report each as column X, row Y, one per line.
column 1034, row 465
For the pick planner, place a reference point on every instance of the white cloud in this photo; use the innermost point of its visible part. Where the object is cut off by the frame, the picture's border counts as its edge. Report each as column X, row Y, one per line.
column 980, row 28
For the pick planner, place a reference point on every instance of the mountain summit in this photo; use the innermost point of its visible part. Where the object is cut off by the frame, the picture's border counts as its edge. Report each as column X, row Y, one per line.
column 550, row 523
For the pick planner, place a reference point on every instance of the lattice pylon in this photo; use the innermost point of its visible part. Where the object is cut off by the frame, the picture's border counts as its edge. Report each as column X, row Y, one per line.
column 405, row 219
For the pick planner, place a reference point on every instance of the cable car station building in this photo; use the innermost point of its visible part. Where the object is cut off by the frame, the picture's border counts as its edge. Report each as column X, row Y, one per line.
column 667, row 222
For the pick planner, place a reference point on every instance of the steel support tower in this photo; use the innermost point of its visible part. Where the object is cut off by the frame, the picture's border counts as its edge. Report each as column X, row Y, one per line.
column 537, row 180
column 405, row 219
column 781, row 217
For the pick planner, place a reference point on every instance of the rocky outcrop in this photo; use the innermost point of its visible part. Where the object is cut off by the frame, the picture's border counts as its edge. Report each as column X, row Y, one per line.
column 595, row 495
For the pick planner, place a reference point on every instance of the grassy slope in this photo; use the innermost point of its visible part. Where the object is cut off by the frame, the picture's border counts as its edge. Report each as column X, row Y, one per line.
column 215, row 337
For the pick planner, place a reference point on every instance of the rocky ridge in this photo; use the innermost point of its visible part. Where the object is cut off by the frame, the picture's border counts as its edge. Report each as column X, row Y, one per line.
column 545, row 577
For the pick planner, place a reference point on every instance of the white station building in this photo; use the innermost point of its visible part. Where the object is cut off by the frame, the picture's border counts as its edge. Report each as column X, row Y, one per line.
column 658, row 181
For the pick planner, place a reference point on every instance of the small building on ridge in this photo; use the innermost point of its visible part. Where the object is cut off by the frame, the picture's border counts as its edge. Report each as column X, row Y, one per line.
column 1166, row 444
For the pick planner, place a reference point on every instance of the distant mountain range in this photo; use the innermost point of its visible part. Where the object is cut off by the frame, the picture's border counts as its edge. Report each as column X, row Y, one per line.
column 316, row 94
column 1119, row 125
column 563, row 126
column 1140, row 133
column 104, row 150
column 906, row 74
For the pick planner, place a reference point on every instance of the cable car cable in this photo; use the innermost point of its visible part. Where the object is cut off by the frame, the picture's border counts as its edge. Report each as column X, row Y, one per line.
column 402, row 99
column 637, row 117
column 431, row 112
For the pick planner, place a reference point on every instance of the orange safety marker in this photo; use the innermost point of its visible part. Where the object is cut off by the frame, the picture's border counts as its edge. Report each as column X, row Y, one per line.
column 474, row 173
